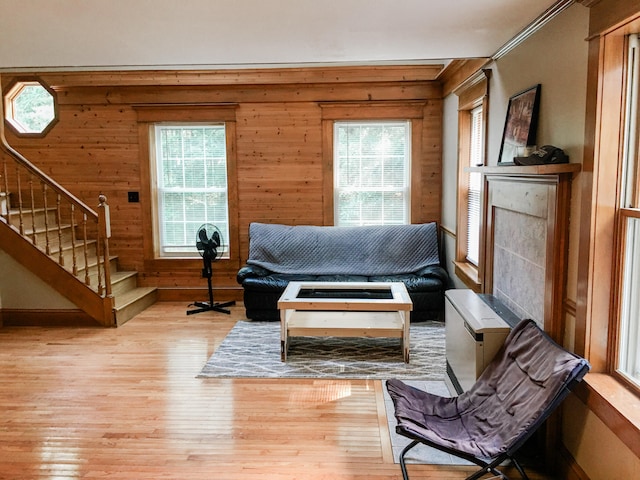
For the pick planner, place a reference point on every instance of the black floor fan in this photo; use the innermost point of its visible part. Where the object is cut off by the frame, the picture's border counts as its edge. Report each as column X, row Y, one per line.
column 209, row 244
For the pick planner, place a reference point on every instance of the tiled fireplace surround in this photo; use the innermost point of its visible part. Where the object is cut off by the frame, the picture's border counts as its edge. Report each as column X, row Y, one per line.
column 527, row 218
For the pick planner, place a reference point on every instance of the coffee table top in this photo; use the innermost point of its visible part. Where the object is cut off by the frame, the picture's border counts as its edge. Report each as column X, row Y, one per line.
column 359, row 296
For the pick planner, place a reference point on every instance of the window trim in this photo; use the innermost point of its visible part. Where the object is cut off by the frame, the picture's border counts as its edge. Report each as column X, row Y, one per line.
column 471, row 94
column 626, row 206
column 344, row 111
column 7, row 95
column 156, row 202
column 610, row 399
column 150, row 114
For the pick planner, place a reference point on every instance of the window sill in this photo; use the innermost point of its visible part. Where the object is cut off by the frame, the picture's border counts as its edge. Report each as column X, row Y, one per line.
column 184, row 264
column 468, row 274
column 617, row 406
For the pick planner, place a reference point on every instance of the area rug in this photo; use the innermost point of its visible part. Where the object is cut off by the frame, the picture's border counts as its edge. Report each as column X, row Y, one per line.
column 252, row 350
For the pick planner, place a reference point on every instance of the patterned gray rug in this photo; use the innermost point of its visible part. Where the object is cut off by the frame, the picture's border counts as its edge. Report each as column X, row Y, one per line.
column 252, row 350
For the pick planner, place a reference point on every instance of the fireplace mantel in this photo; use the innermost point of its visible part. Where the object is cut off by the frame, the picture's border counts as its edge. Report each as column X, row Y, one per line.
column 525, row 239
column 556, row 169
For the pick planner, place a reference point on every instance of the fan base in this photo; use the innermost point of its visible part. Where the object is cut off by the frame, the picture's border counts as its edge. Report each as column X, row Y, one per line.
column 207, row 307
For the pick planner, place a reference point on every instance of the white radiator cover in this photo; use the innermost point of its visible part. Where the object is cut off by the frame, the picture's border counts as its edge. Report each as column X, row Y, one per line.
column 474, row 334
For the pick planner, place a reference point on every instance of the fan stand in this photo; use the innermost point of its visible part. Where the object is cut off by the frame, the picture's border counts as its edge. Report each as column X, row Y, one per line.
column 210, row 305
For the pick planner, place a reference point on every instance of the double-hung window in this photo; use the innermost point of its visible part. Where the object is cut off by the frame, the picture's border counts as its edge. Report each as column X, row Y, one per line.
column 474, row 182
column 628, row 357
column 473, row 102
column 372, row 165
column 191, row 185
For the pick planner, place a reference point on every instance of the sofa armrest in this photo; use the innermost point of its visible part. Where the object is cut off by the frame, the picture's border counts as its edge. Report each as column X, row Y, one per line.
column 435, row 271
column 251, row 271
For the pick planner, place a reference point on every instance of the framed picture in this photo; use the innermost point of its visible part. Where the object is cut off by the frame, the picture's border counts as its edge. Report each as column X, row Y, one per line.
column 520, row 125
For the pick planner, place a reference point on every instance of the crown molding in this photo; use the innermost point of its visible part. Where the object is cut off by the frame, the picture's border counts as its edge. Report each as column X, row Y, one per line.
column 536, row 25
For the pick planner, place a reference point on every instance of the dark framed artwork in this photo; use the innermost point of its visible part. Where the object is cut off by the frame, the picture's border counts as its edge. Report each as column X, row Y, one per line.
column 520, row 125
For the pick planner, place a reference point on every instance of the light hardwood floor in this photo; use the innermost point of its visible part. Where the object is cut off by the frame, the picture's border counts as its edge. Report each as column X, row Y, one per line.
column 125, row 403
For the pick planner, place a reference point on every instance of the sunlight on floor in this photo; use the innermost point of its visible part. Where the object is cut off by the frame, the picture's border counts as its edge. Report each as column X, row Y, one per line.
column 321, row 393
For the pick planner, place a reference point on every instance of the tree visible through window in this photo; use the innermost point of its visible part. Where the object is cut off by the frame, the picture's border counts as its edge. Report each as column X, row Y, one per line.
column 371, row 173
column 191, row 163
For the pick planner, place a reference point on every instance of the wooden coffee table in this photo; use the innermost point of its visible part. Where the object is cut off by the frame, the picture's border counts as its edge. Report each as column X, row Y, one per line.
column 345, row 309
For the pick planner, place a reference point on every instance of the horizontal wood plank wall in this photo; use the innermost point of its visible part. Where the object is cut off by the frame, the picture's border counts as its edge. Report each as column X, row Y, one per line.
column 279, row 164
column 96, row 147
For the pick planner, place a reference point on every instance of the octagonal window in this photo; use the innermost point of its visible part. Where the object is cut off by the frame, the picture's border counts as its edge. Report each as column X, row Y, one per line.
column 30, row 107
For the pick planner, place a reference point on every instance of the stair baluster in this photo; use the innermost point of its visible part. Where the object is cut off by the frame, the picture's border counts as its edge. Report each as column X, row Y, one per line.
column 59, row 229
column 85, row 250
column 33, row 211
column 46, row 219
column 73, row 241
column 19, row 186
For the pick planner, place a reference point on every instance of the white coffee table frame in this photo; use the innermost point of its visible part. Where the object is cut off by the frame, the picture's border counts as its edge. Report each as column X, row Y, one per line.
column 345, row 317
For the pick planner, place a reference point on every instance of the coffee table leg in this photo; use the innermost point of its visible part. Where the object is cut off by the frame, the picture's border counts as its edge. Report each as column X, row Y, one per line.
column 283, row 335
column 406, row 341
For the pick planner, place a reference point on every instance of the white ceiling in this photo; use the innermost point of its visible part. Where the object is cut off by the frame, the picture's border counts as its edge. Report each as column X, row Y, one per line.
column 70, row 34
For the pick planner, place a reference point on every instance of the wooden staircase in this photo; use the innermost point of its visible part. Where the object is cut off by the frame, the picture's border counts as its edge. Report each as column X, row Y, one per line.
column 73, row 267
column 65, row 243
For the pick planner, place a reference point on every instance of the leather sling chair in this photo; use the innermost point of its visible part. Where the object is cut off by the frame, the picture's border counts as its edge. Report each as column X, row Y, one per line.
column 525, row 382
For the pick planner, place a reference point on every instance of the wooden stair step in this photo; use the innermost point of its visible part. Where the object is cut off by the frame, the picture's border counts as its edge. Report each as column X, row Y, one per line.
column 123, row 281
column 38, row 216
column 134, row 301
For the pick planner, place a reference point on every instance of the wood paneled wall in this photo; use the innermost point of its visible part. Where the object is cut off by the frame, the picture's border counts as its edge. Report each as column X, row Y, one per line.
column 96, row 147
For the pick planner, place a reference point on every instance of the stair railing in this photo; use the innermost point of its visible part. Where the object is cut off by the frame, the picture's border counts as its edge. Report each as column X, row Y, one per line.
column 54, row 220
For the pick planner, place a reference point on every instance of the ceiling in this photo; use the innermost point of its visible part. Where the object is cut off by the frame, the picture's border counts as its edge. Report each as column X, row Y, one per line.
column 158, row 34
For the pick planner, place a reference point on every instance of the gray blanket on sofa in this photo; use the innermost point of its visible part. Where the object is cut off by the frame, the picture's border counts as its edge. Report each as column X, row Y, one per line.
column 368, row 250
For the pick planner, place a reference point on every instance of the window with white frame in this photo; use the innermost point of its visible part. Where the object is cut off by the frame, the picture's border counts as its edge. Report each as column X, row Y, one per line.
column 628, row 358
column 191, row 186
column 629, row 330
column 372, row 163
column 476, row 157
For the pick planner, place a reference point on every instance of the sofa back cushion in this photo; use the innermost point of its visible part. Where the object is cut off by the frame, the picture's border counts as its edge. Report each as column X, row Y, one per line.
column 367, row 250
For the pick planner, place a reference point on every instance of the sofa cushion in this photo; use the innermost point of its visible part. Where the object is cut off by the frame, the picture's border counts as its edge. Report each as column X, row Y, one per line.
column 414, row 283
column 367, row 250
column 276, row 282
column 342, row 278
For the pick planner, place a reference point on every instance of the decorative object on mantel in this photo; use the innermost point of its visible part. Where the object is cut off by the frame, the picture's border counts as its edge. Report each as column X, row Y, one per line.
column 520, row 125
column 548, row 154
